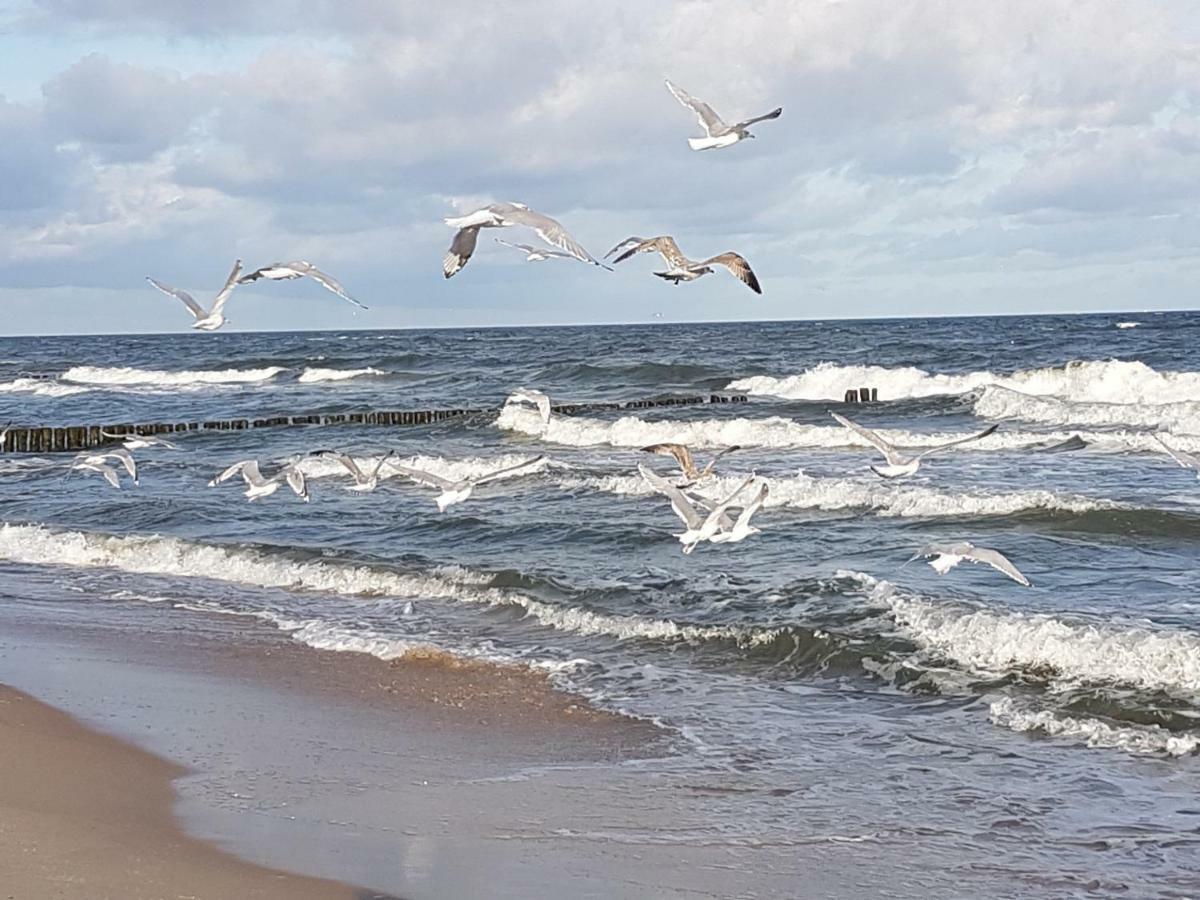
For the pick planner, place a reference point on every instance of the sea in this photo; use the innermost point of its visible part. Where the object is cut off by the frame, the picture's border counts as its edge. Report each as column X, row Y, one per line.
column 1024, row 741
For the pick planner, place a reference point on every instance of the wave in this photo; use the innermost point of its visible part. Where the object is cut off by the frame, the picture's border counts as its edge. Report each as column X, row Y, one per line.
column 316, row 375
column 1136, row 739
column 41, row 387
column 451, row 469
column 1002, row 403
column 888, row 500
column 1098, row 381
column 126, row 376
column 1128, row 324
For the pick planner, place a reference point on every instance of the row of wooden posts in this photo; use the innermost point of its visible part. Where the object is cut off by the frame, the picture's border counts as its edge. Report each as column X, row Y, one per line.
column 73, row 438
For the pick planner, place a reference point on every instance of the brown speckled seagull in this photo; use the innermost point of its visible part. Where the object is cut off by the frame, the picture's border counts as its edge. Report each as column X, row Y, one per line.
column 680, row 268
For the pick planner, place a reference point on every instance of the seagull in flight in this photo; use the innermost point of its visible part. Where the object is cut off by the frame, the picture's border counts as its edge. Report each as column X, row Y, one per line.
column 99, row 463
column 4, row 435
column 140, row 441
column 716, row 132
column 742, row 528
column 679, row 267
column 1185, row 460
column 363, row 481
column 683, row 456
column 453, row 492
column 503, row 215
column 300, row 268
column 698, row 528
column 206, row 320
column 535, row 254
column 257, row 486
column 947, row 556
column 532, row 397
column 899, row 462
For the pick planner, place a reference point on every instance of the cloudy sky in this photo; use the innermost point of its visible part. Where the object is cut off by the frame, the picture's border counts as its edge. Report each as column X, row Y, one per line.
column 932, row 158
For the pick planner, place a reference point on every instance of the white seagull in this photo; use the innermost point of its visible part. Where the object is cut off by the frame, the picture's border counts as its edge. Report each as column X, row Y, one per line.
column 98, row 462
column 363, row 481
column 687, row 465
column 900, row 462
column 742, row 528
column 1185, row 460
column 533, row 398
column 257, row 486
column 206, row 320
column 503, row 215
column 453, row 492
column 947, row 556
column 679, row 267
column 4, row 435
column 535, row 254
column 300, row 268
column 716, row 132
column 140, row 441
column 698, row 528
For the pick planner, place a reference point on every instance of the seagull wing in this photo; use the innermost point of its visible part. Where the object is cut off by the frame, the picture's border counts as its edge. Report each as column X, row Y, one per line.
column 1185, row 460
column 127, row 461
column 524, row 248
column 228, row 473
column 625, row 245
column 680, row 453
column 324, row 279
column 724, row 522
column 680, row 502
column 110, row 475
column 713, row 462
column 296, row 481
column 736, row 264
column 954, row 443
column 753, row 506
column 500, row 473
column 350, row 465
column 773, row 114
column 551, row 231
column 997, row 561
column 428, row 479
column 888, row 450
column 188, row 300
column 230, row 283
column 719, row 509
column 379, row 465
column 460, row 250
column 252, row 475
column 709, row 120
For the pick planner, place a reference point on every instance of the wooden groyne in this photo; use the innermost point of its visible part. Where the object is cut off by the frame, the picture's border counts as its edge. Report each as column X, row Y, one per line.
column 862, row 395
column 72, row 438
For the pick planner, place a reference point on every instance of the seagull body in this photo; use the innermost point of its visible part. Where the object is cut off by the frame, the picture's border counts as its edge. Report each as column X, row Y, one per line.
column 697, row 527
column 742, row 528
column 258, row 487
column 717, row 134
column 300, row 268
column 453, row 492
column 679, row 267
column 687, row 465
column 206, row 320
column 503, row 215
column 140, row 441
column 947, row 556
column 900, row 463
column 363, row 482
column 534, row 398
column 535, row 254
column 1185, row 460
column 99, row 462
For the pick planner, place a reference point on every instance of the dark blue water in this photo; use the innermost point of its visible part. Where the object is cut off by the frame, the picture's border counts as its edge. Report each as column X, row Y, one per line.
column 1027, row 741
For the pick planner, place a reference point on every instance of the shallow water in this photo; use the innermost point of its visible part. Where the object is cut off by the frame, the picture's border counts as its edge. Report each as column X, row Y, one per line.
column 1045, row 735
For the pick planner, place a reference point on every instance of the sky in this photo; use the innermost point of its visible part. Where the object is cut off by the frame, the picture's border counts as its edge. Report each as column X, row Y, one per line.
column 942, row 157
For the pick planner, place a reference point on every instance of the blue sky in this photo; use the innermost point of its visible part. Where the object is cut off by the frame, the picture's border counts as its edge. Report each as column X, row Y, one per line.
column 932, row 158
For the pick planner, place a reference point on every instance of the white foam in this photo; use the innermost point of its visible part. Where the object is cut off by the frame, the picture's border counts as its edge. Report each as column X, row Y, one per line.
column 889, row 500
column 126, row 376
column 1181, row 417
column 1136, row 739
column 450, row 469
column 1128, row 324
column 316, row 375
column 41, row 387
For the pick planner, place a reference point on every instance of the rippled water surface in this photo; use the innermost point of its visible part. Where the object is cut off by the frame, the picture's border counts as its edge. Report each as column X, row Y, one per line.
column 1042, row 736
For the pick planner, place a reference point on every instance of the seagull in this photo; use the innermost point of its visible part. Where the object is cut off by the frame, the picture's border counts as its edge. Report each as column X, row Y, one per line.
column 698, row 528
column 213, row 318
column 502, row 215
column 453, row 492
column 716, row 132
column 535, row 398
column 140, row 441
column 1185, row 460
column 4, row 435
column 299, row 269
column 535, row 254
column 899, row 462
column 362, row 481
column 258, row 486
column 98, row 462
column 680, row 268
column 950, row 555
column 683, row 456
column 742, row 528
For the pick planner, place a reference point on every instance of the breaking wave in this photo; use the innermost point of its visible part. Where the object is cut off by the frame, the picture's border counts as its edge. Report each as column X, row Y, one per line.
column 126, row 376
column 316, row 376
column 1136, row 739
column 1002, row 403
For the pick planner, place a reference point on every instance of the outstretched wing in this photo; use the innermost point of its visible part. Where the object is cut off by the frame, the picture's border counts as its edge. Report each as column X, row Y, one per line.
column 753, row 506
column 188, row 300
column 549, row 230
column 324, row 279
column 664, row 245
column 680, row 502
column 626, row 244
column 997, row 561
column 679, row 452
column 229, row 473
column 507, row 470
column 296, row 481
column 1185, row 460
column 230, row 283
column 428, row 479
column 713, row 462
column 736, row 264
column 888, row 450
column 460, row 250
column 955, row 443
column 524, row 248
column 709, row 120
column 348, row 464
column 773, row 114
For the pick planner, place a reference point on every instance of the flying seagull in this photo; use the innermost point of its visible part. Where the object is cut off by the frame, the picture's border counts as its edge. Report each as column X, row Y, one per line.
column 532, row 397
column 300, row 268
column 363, row 481
column 947, row 556
column 503, row 215
column 742, row 528
column 98, row 462
column 698, row 528
column 716, row 132
column 4, row 435
column 679, row 267
column 683, row 456
column 900, row 462
column 1185, row 460
column 535, row 254
column 457, row 491
column 211, row 319
column 257, row 486
column 140, row 441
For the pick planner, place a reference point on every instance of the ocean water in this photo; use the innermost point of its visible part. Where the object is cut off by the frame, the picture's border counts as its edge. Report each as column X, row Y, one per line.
column 1034, row 741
